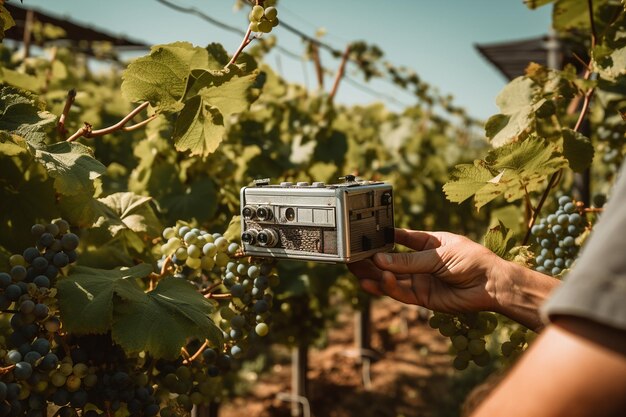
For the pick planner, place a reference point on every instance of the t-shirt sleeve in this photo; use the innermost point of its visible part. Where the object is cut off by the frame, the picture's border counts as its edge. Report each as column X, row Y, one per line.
column 596, row 287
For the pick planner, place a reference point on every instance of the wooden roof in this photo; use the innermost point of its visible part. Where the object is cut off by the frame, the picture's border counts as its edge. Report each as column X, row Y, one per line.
column 512, row 57
column 74, row 32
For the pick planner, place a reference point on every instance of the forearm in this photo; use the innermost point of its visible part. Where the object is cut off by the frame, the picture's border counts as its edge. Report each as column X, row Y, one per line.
column 520, row 292
column 575, row 368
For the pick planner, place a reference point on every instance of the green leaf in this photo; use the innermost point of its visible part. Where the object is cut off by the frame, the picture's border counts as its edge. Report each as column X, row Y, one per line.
column 21, row 80
column 510, row 171
column 11, row 145
column 162, row 321
column 231, row 90
column 72, row 165
column 578, row 150
column 87, row 296
column 82, row 209
column 517, row 105
column 20, row 114
column 161, row 77
column 612, row 66
column 199, row 202
column 132, row 212
column 6, row 21
column 573, row 14
column 466, row 180
column 499, row 240
column 534, row 4
column 199, row 127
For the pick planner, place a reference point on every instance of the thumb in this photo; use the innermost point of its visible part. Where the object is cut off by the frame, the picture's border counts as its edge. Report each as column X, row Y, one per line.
column 423, row 262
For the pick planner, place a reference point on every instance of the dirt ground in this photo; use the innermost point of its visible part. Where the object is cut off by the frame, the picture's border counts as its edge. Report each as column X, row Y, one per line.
column 411, row 376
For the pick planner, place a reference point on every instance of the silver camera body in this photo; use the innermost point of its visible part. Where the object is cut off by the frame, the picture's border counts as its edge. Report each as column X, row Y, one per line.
column 334, row 223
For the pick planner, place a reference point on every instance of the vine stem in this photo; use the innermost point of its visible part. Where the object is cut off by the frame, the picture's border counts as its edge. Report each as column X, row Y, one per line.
column 319, row 70
column 218, row 296
column 581, row 117
column 210, row 289
column 87, row 131
column 6, row 369
column 71, row 96
column 198, row 353
column 340, row 72
column 245, row 42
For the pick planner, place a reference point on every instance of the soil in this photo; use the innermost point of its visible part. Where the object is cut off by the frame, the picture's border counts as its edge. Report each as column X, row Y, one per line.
column 410, row 374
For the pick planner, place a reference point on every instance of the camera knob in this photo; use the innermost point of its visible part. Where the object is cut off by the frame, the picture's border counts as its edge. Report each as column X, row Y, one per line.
column 286, row 184
column 249, row 236
column 302, row 184
column 248, row 212
column 267, row 238
column 318, row 184
column 386, row 199
column 264, row 213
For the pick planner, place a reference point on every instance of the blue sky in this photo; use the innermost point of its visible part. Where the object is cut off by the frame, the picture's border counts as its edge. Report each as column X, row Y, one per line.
column 436, row 37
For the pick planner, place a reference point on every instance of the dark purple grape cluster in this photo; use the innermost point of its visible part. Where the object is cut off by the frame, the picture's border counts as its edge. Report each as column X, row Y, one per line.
column 556, row 237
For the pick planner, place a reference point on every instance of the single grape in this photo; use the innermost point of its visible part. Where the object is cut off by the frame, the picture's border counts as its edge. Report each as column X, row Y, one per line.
column 256, row 13
column 261, row 329
column 271, row 13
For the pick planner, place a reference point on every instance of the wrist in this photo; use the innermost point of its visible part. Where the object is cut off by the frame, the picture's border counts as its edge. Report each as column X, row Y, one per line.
column 519, row 293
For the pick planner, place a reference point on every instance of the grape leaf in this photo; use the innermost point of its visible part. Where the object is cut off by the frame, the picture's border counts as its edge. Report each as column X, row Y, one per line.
column 517, row 104
column 573, row 14
column 510, row 171
column 11, row 145
column 132, row 212
column 6, row 21
column 577, row 149
column 162, row 320
column 87, row 296
column 611, row 66
column 72, row 165
column 161, row 77
column 534, row 4
column 466, row 180
column 499, row 240
column 21, row 80
column 199, row 127
column 198, row 201
column 21, row 114
column 231, row 90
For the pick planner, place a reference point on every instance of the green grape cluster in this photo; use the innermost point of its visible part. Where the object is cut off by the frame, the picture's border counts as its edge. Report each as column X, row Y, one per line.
column 467, row 333
column 519, row 339
column 210, row 261
column 263, row 19
column 556, row 236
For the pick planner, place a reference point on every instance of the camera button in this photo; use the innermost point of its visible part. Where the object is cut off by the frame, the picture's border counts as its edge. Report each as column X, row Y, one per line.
column 302, row 184
column 286, row 184
column 318, row 184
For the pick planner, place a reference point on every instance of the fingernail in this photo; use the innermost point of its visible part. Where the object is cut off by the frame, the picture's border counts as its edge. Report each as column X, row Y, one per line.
column 384, row 258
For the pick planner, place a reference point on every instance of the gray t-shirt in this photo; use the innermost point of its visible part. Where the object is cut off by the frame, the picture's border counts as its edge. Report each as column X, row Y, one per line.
column 596, row 287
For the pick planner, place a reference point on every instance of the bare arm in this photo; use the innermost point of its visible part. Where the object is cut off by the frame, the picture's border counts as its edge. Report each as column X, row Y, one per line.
column 575, row 368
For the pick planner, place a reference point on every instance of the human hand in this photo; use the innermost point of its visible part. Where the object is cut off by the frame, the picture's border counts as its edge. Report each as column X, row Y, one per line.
column 447, row 272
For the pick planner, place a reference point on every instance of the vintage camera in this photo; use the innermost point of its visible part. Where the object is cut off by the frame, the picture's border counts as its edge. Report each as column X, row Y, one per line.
column 336, row 223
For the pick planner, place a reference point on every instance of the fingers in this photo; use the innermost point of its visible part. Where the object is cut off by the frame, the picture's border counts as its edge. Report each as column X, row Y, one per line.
column 417, row 240
column 365, row 269
column 425, row 262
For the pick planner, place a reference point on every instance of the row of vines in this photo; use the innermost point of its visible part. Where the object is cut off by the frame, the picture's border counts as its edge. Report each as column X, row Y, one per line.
column 122, row 286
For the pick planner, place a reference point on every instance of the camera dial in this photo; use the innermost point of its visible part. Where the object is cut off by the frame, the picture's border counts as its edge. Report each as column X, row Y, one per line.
column 264, row 213
column 248, row 212
column 267, row 238
column 249, row 236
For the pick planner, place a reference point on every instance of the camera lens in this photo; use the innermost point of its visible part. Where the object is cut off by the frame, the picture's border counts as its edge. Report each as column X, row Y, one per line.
column 248, row 212
column 249, row 237
column 264, row 213
column 290, row 214
column 268, row 238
